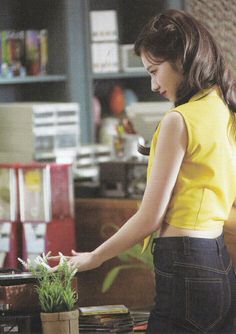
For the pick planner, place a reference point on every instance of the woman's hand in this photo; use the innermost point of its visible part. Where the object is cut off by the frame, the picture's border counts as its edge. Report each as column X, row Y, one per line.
column 80, row 261
column 84, row 261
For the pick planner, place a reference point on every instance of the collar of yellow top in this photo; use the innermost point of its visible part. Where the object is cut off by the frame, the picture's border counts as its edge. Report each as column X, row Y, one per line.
column 214, row 90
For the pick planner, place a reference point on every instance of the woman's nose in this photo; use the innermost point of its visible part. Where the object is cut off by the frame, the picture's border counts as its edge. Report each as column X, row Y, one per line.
column 154, row 86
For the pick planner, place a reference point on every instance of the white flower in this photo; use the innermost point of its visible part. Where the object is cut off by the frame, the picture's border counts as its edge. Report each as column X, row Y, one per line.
column 45, row 257
column 62, row 258
column 38, row 261
column 45, row 265
column 25, row 265
column 42, row 261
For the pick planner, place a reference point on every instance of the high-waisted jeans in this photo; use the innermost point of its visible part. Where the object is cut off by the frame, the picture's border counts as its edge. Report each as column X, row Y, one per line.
column 195, row 286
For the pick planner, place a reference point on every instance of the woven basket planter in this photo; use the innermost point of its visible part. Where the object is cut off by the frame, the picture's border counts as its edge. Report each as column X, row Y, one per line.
column 60, row 323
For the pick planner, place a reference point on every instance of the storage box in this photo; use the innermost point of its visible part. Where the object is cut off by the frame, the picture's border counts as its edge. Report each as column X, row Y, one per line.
column 36, row 130
column 103, row 25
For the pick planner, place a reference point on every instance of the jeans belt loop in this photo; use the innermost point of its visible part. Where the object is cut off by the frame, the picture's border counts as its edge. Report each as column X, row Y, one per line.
column 186, row 242
column 218, row 247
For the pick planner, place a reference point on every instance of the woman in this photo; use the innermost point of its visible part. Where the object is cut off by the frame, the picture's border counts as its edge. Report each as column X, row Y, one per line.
column 191, row 181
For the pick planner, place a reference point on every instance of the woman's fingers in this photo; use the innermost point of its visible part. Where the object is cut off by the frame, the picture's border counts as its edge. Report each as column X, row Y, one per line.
column 54, row 258
column 80, row 261
column 58, row 257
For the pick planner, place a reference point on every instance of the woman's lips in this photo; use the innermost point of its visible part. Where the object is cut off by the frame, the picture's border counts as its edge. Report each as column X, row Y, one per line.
column 163, row 93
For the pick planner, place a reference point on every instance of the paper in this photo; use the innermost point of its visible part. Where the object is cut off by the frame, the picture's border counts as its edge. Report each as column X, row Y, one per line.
column 5, row 234
column 35, row 237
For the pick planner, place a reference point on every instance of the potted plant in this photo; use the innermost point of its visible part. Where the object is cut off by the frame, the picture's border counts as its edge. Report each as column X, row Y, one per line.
column 57, row 297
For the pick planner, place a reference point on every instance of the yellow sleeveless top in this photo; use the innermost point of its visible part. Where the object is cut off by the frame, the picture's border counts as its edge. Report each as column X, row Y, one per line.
column 206, row 184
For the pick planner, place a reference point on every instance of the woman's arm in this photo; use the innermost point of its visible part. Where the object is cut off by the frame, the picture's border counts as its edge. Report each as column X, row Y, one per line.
column 170, row 151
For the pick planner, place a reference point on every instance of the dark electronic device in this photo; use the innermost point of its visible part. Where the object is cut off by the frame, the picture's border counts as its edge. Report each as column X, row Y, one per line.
column 123, row 178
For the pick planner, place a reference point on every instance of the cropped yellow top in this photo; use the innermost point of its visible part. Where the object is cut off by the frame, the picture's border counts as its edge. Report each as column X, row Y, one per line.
column 206, row 184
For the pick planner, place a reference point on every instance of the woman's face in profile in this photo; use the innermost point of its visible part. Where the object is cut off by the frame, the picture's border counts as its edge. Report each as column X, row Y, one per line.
column 165, row 77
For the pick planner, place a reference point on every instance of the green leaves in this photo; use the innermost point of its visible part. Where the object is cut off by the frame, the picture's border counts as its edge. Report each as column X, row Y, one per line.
column 70, row 298
column 110, row 277
column 113, row 273
column 133, row 258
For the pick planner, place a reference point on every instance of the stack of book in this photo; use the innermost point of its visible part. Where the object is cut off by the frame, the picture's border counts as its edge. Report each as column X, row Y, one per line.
column 140, row 319
column 105, row 319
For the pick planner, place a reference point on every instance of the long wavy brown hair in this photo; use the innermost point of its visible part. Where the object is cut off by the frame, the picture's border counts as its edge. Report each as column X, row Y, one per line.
column 176, row 35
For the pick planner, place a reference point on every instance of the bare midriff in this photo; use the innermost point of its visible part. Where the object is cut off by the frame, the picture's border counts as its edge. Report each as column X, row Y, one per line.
column 172, row 231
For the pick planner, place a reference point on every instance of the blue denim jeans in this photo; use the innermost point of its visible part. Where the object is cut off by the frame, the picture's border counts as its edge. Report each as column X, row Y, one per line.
column 195, row 286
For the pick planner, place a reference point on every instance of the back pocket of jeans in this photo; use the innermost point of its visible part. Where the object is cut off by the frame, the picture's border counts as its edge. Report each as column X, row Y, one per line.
column 204, row 302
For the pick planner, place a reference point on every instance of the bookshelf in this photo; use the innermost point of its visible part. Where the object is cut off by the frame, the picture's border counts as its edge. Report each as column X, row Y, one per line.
column 70, row 77
column 119, row 75
column 66, row 79
column 32, row 79
column 35, row 15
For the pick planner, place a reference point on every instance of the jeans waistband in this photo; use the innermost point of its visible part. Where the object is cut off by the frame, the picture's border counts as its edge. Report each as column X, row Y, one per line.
column 188, row 243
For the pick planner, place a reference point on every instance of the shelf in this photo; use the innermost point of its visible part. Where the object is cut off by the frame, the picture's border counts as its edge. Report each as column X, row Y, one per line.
column 120, row 75
column 32, row 79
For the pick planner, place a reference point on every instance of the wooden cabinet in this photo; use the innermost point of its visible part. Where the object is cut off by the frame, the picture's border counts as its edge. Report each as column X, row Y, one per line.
column 96, row 220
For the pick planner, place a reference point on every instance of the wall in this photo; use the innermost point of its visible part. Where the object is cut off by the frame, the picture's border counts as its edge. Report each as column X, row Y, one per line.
column 219, row 17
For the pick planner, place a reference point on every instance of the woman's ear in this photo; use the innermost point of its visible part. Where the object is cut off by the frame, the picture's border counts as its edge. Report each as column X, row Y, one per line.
column 179, row 65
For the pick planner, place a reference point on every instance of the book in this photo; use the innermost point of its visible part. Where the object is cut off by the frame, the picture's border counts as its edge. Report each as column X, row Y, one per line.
column 32, row 52
column 105, row 309
column 140, row 320
column 43, row 36
column 12, row 53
